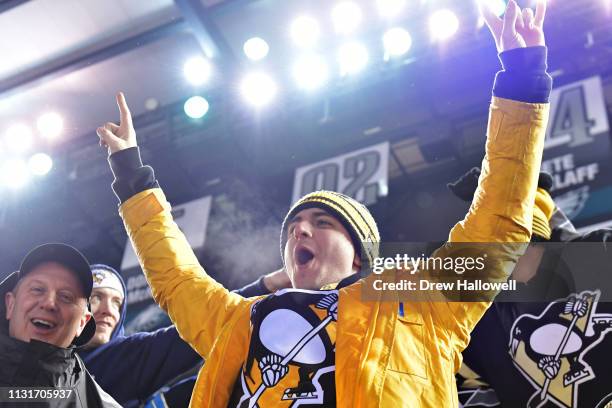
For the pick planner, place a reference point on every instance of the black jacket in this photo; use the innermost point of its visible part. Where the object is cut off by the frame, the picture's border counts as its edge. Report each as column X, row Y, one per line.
column 37, row 364
column 514, row 343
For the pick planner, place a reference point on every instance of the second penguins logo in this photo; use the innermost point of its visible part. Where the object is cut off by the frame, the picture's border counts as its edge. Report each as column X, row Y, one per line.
column 549, row 349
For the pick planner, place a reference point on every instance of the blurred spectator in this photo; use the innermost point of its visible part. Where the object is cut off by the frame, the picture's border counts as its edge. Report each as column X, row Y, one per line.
column 131, row 368
column 508, row 363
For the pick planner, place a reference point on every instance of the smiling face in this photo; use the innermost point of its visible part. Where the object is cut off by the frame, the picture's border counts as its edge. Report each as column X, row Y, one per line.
column 47, row 305
column 106, row 308
column 319, row 250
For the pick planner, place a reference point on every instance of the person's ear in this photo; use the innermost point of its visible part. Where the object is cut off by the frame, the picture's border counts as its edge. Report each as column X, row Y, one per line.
column 84, row 319
column 357, row 262
column 9, row 304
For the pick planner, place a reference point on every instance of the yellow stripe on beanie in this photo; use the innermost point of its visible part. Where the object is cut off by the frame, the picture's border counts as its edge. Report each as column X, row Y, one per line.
column 542, row 212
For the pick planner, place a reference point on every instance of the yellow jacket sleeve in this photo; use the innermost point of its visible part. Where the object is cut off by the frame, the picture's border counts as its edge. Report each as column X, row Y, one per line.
column 199, row 306
column 500, row 216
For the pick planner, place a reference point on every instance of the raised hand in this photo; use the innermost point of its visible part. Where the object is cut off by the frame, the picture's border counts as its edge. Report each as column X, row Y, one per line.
column 118, row 137
column 518, row 28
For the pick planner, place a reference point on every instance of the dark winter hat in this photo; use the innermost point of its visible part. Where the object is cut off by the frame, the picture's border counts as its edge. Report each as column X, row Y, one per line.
column 466, row 185
column 65, row 255
column 355, row 217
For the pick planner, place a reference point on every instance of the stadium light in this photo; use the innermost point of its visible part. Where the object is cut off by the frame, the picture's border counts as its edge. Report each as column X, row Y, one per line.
column 151, row 104
column 40, row 164
column 256, row 48
column 443, row 24
column 305, row 31
column 18, row 138
column 50, row 125
column 352, row 57
column 258, row 89
column 14, row 173
column 310, row 72
column 346, row 17
column 197, row 70
column 397, row 42
column 196, row 107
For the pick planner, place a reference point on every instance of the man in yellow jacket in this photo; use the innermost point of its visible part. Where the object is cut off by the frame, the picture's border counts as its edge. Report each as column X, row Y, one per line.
column 320, row 343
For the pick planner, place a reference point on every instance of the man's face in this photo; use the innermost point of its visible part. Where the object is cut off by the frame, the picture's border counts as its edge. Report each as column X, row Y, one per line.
column 47, row 305
column 319, row 250
column 106, row 308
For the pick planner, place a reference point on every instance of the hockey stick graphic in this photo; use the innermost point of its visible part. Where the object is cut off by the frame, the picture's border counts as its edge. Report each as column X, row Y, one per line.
column 331, row 302
column 543, row 394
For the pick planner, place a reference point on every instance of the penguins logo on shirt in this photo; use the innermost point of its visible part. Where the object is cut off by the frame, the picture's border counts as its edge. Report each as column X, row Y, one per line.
column 549, row 349
column 292, row 349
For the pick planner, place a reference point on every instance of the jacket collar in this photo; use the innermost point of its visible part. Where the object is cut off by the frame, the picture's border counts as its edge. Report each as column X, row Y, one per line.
column 37, row 355
column 349, row 280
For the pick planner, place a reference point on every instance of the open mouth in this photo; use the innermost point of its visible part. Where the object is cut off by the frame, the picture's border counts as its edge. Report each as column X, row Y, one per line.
column 43, row 324
column 303, row 256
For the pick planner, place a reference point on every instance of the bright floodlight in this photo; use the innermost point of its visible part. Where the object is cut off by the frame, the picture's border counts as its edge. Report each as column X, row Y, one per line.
column 256, row 48
column 196, row 107
column 151, row 104
column 353, row 57
column 346, row 16
column 258, row 89
column 197, row 70
column 50, row 125
column 40, row 164
column 310, row 72
column 18, row 138
column 390, row 8
column 443, row 24
column 397, row 41
column 305, row 31
column 14, row 173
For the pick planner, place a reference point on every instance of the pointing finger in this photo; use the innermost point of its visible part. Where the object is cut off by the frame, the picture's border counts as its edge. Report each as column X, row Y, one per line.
column 494, row 23
column 528, row 17
column 540, row 13
column 124, row 110
column 510, row 18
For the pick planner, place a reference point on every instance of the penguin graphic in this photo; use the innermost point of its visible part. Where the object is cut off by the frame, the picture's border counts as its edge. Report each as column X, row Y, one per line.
column 289, row 332
column 555, row 342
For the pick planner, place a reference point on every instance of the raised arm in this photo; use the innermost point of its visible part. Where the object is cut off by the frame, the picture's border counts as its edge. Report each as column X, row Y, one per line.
column 501, row 213
column 198, row 305
column 503, row 203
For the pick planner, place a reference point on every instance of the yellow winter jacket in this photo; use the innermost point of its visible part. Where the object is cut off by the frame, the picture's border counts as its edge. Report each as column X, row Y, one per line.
column 382, row 359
